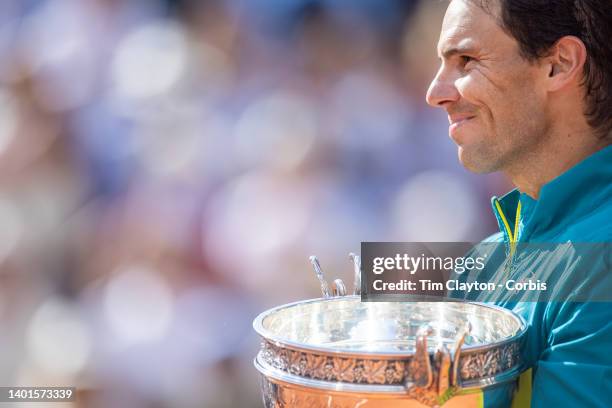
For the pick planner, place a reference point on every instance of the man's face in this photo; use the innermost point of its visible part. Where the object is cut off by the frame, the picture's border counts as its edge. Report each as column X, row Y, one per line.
column 494, row 97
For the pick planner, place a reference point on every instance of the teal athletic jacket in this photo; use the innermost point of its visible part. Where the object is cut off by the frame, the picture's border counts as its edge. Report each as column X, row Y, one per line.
column 569, row 341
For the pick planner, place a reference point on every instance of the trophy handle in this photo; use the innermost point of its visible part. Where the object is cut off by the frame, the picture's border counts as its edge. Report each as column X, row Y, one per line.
column 338, row 288
column 433, row 380
column 319, row 273
column 357, row 273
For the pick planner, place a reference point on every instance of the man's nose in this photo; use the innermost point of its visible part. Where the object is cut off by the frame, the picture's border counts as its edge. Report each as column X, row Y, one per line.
column 442, row 90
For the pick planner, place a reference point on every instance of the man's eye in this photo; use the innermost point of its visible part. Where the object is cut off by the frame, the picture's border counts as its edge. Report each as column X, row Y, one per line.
column 465, row 59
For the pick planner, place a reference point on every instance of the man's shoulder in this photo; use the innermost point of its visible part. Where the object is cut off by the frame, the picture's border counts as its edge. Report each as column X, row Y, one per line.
column 593, row 227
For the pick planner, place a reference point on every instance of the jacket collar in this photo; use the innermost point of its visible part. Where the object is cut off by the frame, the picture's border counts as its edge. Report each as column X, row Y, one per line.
column 573, row 194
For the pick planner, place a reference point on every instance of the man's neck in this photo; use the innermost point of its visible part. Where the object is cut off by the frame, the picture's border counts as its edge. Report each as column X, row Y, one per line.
column 549, row 160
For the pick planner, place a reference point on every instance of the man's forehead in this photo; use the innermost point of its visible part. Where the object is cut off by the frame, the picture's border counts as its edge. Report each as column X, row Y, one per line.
column 465, row 26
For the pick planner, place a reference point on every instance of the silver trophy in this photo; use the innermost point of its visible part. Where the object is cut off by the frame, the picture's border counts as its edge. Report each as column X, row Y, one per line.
column 337, row 351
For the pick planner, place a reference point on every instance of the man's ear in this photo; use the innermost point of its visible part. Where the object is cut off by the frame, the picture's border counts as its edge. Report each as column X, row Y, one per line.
column 566, row 58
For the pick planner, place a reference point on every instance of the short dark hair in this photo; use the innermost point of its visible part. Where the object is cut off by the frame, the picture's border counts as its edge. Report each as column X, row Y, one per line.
column 538, row 24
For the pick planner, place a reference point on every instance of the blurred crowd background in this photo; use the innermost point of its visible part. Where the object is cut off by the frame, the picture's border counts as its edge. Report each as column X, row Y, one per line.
column 167, row 167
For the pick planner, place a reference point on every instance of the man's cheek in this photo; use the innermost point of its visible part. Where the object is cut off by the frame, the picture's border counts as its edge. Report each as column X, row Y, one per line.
column 471, row 89
column 463, row 85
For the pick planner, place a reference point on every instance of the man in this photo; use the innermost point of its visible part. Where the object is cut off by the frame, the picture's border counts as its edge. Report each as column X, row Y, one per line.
column 527, row 85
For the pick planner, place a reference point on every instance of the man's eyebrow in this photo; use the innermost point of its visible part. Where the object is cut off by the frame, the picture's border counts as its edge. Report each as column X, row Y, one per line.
column 451, row 52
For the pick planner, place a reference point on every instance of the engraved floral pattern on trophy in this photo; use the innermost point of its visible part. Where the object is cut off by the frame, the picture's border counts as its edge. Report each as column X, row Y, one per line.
column 374, row 371
column 321, row 367
column 344, row 369
column 490, row 362
column 472, row 365
column 395, row 372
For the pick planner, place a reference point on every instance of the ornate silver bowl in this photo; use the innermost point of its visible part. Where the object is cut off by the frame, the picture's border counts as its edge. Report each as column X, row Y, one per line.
column 341, row 352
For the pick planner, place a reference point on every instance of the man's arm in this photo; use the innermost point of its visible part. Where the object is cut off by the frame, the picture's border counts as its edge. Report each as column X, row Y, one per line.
column 575, row 368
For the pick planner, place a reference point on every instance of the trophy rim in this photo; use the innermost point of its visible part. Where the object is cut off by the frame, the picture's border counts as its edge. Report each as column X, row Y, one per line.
column 279, row 341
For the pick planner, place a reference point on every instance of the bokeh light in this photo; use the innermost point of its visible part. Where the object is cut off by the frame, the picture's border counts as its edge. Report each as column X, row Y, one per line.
column 58, row 339
column 138, row 305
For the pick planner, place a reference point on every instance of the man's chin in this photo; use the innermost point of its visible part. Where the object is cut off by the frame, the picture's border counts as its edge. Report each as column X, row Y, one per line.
column 476, row 162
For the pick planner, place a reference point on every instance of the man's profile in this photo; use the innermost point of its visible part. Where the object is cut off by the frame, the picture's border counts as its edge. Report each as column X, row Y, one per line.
column 527, row 85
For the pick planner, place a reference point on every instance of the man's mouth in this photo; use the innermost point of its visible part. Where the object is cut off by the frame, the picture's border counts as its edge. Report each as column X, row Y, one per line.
column 456, row 121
